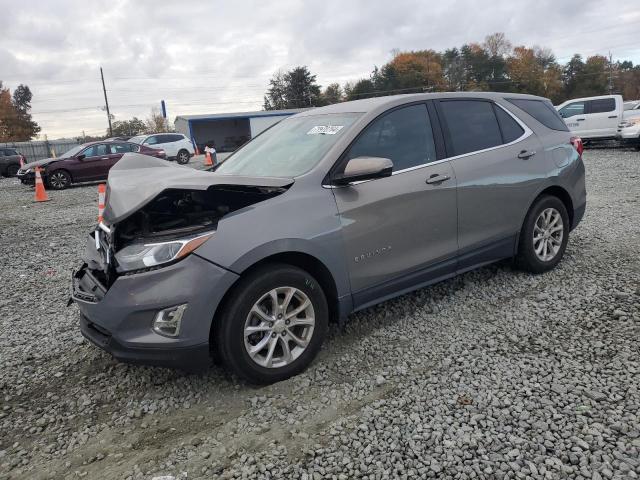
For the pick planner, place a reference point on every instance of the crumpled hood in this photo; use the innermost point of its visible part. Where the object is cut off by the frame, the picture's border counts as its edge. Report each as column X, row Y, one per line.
column 41, row 163
column 137, row 179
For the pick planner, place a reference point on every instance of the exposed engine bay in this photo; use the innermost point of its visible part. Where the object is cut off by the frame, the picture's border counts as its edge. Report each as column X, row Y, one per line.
column 176, row 212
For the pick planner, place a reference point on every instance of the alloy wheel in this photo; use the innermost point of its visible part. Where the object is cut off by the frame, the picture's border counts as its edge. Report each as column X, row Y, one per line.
column 58, row 180
column 279, row 327
column 548, row 232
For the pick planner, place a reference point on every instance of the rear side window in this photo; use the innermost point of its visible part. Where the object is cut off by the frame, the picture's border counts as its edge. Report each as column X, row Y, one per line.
column 542, row 111
column 602, row 105
column 404, row 136
column 472, row 125
column 511, row 130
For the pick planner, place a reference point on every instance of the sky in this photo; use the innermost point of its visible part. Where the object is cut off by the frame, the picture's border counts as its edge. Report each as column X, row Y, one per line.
column 218, row 56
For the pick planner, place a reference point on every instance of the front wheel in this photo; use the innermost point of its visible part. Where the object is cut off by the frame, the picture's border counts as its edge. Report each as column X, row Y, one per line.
column 59, row 180
column 273, row 325
column 544, row 235
column 183, row 157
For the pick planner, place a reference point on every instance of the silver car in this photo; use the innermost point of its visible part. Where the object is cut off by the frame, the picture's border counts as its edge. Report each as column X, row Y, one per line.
column 328, row 212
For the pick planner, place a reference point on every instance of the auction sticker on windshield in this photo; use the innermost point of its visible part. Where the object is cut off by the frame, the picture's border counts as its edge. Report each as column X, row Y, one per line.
column 325, row 130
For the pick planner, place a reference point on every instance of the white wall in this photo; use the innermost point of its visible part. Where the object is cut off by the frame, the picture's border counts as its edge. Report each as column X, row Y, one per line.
column 260, row 124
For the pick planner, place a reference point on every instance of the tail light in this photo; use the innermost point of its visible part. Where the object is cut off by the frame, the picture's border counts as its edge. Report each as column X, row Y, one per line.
column 577, row 144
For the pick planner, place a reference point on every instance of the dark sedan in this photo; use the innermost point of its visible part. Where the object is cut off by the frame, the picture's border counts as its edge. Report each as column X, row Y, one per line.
column 85, row 163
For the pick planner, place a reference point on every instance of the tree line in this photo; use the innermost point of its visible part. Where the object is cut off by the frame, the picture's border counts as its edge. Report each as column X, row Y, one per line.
column 493, row 65
column 16, row 124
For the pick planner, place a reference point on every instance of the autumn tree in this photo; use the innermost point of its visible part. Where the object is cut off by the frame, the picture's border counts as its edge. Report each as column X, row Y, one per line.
column 156, row 123
column 16, row 124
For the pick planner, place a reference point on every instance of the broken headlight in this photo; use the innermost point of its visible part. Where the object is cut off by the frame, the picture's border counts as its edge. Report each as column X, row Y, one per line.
column 139, row 256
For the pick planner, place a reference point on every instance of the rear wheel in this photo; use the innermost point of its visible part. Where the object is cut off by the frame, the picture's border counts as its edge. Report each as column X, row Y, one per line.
column 273, row 325
column 59, row 179
column 544, row 235
column 183, row 157
column 12, row 170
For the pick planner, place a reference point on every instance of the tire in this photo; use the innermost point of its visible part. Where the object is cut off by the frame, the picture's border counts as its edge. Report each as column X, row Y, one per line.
column 59, row 179
column 12, row 170
column 532, row 255
column 183, row 157
column 254, row 291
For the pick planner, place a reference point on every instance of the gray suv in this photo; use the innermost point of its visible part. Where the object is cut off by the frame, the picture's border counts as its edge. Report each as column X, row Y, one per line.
column 328, row 212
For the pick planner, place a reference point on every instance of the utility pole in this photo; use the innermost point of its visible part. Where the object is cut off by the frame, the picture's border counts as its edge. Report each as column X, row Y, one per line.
column 106, row 103
column 610, row 73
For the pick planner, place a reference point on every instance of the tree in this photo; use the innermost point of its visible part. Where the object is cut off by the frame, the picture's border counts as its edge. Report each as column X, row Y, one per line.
column 497, row 45
column 129, row 128
column 16, row 124
column 156, row 123
column 301, row 89
column 275, row 97
column 363, row 88
column 332, row 94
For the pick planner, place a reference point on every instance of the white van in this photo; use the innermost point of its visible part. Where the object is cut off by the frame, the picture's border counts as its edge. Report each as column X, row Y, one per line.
column 176, row 146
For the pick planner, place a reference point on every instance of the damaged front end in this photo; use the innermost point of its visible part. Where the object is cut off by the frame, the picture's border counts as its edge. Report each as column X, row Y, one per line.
column 158, row 213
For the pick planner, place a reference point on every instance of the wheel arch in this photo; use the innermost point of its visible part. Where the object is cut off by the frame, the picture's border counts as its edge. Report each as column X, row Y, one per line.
column 552, row 190
column 302, row 260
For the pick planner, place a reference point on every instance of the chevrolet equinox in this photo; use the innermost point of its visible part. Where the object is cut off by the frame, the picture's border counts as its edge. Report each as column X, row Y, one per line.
column 327, row 212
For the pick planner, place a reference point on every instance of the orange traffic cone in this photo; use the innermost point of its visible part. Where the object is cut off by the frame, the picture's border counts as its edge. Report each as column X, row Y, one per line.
column 207, row 159
column 102, row 189
column 41, row 193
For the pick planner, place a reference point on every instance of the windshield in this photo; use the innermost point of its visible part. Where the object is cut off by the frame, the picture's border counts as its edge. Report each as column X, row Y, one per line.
column 137, row 139
column 72, row 152
column 290, row 148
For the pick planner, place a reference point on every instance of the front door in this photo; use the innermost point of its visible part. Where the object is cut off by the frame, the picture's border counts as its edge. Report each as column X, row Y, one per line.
column 574, row 116
column 92, row 166
column 399, row 231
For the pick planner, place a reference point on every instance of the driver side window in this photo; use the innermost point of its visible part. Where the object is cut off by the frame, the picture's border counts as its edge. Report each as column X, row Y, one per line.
column 575, row 108
column 404, row 136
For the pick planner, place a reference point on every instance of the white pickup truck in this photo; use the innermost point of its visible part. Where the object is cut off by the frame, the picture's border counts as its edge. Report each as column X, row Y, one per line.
column 596, row 118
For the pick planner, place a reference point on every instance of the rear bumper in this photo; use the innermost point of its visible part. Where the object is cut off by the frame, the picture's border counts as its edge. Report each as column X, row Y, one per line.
column 120, row 319
column 578, row 214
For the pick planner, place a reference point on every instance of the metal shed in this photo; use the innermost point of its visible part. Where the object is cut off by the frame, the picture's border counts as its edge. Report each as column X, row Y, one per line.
column 228, row 131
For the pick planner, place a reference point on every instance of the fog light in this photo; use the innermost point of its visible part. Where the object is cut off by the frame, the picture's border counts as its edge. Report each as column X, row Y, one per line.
column 167, row 321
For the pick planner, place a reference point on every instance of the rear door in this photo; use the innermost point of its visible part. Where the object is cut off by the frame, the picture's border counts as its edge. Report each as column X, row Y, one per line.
column 498, row 165
column 399, row 231
column 601, row 118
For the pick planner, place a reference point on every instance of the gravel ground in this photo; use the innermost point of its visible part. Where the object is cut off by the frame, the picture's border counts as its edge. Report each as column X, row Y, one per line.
column 494, row 374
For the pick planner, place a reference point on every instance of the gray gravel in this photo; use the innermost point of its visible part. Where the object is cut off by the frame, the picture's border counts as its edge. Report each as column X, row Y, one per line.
column 495, row 374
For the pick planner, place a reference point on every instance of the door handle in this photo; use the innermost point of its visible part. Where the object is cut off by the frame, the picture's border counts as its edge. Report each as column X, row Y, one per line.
column 612, row 116
column 579, row 119
column 104, row 158
column 436, row 178
column 524, row 154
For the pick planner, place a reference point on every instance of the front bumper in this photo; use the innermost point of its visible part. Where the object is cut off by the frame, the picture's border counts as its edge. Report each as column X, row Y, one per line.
column 27, row 178
column 119, row 319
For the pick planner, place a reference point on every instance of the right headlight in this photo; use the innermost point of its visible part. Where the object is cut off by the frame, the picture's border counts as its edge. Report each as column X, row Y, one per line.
column 139, row 256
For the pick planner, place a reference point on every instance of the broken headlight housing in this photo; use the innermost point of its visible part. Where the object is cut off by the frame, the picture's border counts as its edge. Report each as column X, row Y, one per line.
column 141, row 256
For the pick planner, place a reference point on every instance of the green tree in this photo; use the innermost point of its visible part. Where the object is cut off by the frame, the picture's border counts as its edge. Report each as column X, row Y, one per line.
column 332, row 94
column 296, row 88
column 363, row 88
column 129, row 128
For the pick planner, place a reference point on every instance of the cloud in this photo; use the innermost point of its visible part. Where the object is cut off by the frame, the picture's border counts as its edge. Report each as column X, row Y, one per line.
column 218, row 56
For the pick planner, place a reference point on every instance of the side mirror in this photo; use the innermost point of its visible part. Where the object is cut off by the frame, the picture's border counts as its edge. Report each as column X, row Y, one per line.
column 81, row 157
column 364, row 168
